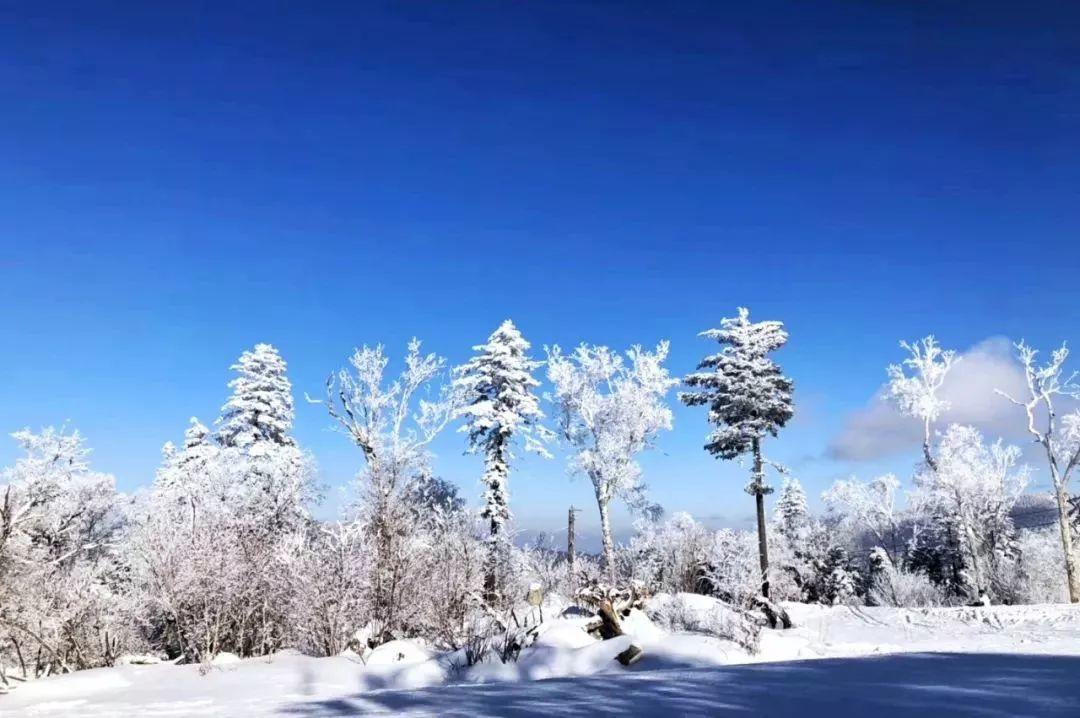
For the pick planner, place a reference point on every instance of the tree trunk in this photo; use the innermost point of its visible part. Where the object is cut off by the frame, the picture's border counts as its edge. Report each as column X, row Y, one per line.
column 608, row 544
column 491, row 565
column 497, row 510
column 1066, row 541
column 758, row 484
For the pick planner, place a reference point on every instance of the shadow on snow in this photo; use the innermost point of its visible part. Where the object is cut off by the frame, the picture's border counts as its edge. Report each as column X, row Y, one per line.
column 927, row 684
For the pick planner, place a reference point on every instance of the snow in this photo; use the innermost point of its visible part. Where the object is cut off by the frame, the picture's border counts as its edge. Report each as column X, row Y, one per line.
column 1019, row 660
column 225, row 659
column 398, row 652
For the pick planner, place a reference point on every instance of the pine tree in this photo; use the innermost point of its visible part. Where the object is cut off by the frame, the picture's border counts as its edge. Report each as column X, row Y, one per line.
column 792, row 513
column 748, row 398
column 261, row 405
column 185, row 473
column 499, row 407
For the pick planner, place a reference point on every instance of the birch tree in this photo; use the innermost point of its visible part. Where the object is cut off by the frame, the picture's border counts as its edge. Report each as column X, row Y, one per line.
column 611, row 409
column 915, row 386
column 393, row 425
column 1048, row 385
column 749, row 398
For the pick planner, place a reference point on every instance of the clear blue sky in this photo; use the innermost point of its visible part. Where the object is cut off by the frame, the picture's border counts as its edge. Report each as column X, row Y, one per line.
column 179, row 181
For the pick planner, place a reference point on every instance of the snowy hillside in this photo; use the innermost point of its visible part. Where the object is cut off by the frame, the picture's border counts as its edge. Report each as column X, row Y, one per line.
column 1003, row 661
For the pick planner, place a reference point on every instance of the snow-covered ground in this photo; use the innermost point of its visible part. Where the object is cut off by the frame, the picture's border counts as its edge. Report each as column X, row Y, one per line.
column 1000, row 661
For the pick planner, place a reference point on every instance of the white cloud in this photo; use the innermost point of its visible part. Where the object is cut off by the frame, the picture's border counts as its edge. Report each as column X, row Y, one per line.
column 879, row 430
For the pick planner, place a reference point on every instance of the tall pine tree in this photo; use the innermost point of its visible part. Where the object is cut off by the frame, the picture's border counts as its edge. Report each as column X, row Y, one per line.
column 261, row 405
column 499, row 408
column 749, row 398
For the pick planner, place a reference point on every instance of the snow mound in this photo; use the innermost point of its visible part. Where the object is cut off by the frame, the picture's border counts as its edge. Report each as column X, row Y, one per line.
column 225, row 659
column 398, row 652
column 694, row 613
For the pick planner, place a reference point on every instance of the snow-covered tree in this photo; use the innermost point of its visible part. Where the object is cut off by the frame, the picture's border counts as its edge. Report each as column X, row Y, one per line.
column 1060, row 440
column 749, row 398
column 840, row 584
column 261, row 405
column 184, row 474
column 870, row 507
column 499, row 407
column 609, row 411
column 791, row 514
column 61, row 601
column 799, row 546
column 918, row 394
column 393, row 427
column 213, row 548
column 671, row 555
column 733, row 571
column 973, row 490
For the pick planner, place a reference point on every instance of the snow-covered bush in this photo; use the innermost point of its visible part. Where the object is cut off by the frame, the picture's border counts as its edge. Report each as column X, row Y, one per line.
column 690, row 613
column 904, row 588
column 330, row 600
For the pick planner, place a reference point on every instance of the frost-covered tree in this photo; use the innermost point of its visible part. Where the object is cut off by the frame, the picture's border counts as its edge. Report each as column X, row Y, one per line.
column 671, row 555
column 791, row 514
column 184, row 473
column 973, row 490
column 393, row 426
column 213, row 546
column 1047, row 385
column 62, row 605
column 915, row 385
column 261, row 405
column 840, row 579
column 870, row 507
column 499, row 407
column 609, row 411
column 798, row 547
column 733, row 571
column 749, row 398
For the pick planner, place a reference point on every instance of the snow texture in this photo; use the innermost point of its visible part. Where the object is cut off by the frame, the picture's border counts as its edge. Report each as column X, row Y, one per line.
column 1017, row 661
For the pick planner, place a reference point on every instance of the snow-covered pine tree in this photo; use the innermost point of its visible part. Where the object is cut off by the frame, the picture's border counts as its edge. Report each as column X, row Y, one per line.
column 184, row 473
column 499, row 407
column 792, row 514
column 748, row 398
column 261, row 405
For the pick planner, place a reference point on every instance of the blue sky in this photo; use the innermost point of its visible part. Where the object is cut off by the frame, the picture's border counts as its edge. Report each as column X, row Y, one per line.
column 181, row 181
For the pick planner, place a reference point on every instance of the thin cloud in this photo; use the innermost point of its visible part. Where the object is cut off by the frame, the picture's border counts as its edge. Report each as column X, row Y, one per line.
column 879, row 430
